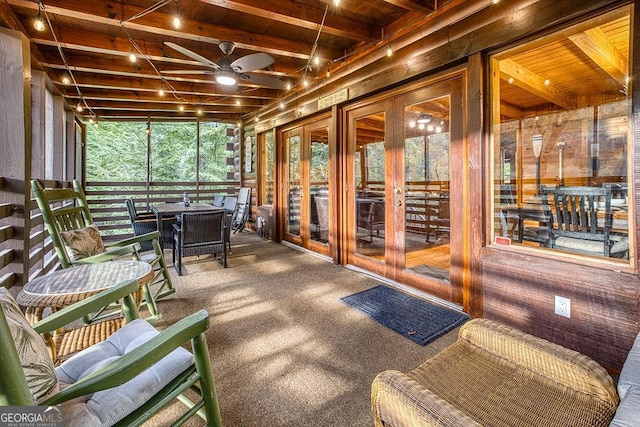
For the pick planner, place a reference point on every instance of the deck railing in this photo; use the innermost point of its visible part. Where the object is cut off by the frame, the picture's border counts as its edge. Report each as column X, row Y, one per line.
column 26, row 251
column 107, row 199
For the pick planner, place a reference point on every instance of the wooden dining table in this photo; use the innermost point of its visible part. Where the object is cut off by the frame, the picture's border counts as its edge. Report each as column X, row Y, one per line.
column 168, row 210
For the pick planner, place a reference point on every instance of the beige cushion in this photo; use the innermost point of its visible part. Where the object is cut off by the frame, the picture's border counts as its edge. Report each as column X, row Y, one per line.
column 32, row 351
column 82, row 243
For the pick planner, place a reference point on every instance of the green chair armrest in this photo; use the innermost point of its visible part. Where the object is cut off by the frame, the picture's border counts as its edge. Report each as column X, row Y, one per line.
column 89, row 305
column 132, row 364
column 135, row 239
column 110, row 255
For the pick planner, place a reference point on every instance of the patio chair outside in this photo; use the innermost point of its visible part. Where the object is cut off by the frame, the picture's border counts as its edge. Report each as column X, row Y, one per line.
column 124, row 381
column 242, row 210
column 66, row 215
column 218, row 201
column 200, row 234
column 572, row 219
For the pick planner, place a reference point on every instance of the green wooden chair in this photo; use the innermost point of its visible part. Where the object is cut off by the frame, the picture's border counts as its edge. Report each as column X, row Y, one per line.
column 123, row 381
column 77, row 239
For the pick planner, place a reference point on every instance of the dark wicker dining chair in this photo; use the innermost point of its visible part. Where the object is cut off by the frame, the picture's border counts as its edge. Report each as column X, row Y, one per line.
column 200, row 233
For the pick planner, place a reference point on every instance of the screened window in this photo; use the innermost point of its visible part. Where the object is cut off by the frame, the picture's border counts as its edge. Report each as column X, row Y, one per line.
column 561, row 140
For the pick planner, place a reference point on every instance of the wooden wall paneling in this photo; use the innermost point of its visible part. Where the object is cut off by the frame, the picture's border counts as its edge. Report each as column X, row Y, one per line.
column 604, row 302
column 15, row 138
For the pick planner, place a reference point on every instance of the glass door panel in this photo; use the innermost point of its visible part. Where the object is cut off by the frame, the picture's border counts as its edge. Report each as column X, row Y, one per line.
column 427, row 213
column 319, row 185
column 294, row 185
column 369, row 171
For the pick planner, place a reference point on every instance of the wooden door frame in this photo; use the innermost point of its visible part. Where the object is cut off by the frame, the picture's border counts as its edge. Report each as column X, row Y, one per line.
column 448, row 83
column 303, row 129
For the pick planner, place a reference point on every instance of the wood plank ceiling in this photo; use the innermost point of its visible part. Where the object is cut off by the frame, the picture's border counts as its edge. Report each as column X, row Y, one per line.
column 89, row 42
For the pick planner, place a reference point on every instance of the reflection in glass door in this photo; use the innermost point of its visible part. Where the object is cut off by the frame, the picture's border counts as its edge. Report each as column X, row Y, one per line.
column 427, row 216
column 319, row 185
column 369, row 172
column 308, row 184
column 294, row 185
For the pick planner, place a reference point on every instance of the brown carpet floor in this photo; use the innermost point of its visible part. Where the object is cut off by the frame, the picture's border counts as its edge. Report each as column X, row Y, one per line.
column 285, row 351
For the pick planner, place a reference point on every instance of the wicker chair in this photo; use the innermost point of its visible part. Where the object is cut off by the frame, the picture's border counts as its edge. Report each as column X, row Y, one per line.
column 494, row 375
column 141, row 222
column 199, row 234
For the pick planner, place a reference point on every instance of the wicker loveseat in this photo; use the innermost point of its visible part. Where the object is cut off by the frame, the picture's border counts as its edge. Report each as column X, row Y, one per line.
column 494, row 375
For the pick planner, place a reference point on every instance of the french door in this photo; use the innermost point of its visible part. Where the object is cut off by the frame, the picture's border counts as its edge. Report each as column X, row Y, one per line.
column 307, row 185
column 404, row 192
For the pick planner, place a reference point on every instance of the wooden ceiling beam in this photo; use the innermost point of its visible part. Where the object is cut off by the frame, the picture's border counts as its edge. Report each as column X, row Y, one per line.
column 281, row 11
column 114, row 14
column 595, row 44
column 413, row 6
column 102, row 44
column 151, row 106
column 113, row 82
column 136, row 96
column 532, row 82
column 122, row 65
column 165, row 82
column 191, row 114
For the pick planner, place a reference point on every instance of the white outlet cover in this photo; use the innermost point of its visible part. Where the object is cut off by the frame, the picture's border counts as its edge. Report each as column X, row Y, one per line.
column 563, row 306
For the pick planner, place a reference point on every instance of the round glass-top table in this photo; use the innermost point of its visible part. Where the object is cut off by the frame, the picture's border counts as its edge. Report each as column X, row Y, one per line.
column 69, row 285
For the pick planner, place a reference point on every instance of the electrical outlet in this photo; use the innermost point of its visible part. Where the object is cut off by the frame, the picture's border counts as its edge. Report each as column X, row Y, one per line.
column 563, row 306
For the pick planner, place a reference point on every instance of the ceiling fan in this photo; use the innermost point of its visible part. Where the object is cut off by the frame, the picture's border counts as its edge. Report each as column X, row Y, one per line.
column 228, row 73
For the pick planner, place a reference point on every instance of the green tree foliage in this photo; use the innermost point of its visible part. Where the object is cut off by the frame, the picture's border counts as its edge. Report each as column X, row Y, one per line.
column 117, row 151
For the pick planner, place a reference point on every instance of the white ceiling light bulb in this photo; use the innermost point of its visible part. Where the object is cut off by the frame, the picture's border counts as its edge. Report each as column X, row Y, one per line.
column 237, row 102
column 132, row 57
column 336, row 3
column 389, row 52
column 226, row 77
column 38, row 23
column 288, row 85
column 316, row 60
column 181, row 108
column 79, row 108
column 177, row 23
column 66, row 81
column 199, row 112
column 161, row 92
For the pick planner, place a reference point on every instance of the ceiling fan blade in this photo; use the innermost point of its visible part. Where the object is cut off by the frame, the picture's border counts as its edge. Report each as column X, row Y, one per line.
column 255, row 61
column 261, row 80
column 177, row 72
column 193, row 55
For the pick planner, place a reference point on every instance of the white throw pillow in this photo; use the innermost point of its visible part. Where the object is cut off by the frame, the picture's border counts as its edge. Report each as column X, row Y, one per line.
column 32, row 351
column 82, row 243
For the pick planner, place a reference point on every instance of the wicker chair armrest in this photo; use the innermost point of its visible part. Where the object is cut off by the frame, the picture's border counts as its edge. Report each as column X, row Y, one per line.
column 557, row 363
column 133, row 363
column 397, row 400
column 71, row 313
